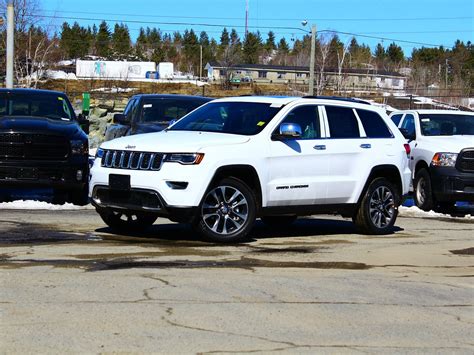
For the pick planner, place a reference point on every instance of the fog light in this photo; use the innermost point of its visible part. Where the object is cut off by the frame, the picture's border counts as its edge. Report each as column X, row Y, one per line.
column 79, row 175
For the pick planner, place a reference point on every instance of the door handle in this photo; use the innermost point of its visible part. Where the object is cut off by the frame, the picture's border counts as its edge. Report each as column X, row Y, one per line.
column 366, row 146
column 320, row 147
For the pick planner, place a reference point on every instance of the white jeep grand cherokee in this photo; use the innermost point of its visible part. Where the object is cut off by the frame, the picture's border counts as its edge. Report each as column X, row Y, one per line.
column 235, row 159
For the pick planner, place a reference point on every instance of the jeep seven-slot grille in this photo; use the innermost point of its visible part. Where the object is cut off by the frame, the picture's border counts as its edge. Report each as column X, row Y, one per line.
column 466, row 160
column 121, row 159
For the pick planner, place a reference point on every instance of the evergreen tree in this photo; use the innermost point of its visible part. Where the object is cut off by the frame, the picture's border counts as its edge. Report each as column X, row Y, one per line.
column 225, row 39
column 103, row 37
column 270, row 43
column 121, row 42
column 283, row 47
column 252, row 48
column 395, row 54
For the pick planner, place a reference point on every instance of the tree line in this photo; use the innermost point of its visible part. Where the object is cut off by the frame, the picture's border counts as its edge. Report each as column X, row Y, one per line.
column 38, row 49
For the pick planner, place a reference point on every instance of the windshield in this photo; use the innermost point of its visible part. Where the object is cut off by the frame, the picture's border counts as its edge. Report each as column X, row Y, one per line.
column 51, row 106
column 440, row 124
column 159, row 110
column 246, row 118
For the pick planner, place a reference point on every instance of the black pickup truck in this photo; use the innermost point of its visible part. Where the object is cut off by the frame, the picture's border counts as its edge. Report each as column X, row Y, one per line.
column 42, row 144
column 147, row 113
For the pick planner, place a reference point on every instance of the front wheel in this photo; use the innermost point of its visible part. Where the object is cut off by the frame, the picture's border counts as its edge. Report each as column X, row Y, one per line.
column 423, row 193
column 227, row 212
column 379, row 208
column 126, row 221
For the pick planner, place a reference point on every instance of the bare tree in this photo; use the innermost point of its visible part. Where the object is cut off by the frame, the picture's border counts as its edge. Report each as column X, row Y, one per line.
column 321, row 61
column 341, row 55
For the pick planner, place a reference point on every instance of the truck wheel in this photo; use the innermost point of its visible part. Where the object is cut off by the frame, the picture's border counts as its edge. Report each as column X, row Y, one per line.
column 227, row 212
column 126, row 221
column 379, row 208
column 278, row 221
column 78, row 197
column 423, row 194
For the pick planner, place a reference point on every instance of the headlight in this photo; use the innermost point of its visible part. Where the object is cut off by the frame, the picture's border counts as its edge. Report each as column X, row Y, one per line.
column 444, row 159
column 99, row 153
column 184, row 158
column 79, row 147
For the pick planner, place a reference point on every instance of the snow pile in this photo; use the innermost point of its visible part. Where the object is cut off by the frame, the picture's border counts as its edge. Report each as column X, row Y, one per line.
column 40, row 205
column 418, row 213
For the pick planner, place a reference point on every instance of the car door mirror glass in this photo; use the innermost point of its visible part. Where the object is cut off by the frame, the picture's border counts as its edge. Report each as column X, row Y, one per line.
column 121, row 119
column 407, row 134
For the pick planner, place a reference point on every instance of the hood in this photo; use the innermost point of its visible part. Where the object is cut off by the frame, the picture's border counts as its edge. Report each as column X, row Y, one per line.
column 174, row 141
column 69, row 129
column 448, row 144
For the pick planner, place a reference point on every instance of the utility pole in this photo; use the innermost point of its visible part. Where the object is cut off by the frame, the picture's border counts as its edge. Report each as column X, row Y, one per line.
column 311, row 61
column 246, row 17
column 10, row 44
column 200, row 62
column 446, row 75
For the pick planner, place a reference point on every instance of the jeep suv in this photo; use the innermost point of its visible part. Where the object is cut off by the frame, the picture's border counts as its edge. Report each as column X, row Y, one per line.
column 442, row 156
column 237, row 159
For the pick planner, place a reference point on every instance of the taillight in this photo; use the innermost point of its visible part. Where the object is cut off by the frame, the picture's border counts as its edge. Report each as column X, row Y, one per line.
column 407, row 149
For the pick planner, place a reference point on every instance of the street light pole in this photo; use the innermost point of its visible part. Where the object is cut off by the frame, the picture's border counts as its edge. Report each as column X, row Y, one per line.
column 10, row 45
column 311, row 62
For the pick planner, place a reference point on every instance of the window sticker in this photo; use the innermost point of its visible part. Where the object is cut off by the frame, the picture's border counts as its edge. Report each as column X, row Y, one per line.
column 425, row 120
column 60, row 99
column 261, row 123
column 147, row 105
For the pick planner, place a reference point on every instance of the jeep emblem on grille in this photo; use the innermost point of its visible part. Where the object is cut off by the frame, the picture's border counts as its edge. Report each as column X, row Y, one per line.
column 130, row 147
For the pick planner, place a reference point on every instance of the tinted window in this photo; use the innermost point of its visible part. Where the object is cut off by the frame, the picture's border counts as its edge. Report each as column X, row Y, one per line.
column 164, row 110
column 129, row 109
column 51, row 106
column 409, row 124
column 396, row 119
column 342, row 122
column 308, row 119
column 446, row 124
column 247, row 118
column 374, row 125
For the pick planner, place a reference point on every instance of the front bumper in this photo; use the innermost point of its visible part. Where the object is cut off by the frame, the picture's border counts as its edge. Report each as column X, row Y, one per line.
column 139, row 200
column 59, row 175
column 450, row 185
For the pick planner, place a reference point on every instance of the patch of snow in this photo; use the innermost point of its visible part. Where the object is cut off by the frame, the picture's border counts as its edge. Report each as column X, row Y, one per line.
column 418, row 213
column 40, row 205
column 114, row 90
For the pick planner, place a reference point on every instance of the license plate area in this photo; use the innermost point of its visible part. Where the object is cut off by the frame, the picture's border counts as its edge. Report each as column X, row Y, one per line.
column 119, row 182
column 27, row 174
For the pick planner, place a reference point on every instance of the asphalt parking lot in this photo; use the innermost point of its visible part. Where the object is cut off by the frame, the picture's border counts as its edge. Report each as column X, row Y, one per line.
column 68, row 284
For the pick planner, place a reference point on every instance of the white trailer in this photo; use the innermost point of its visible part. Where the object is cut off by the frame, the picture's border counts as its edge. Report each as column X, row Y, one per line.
column 165, row 70
column 118, row 70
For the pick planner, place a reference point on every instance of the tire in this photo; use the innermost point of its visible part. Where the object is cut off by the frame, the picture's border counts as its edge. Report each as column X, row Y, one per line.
column 126, row 221
column 278, row 221
column 227, row 212
column 378, row 209
column 78, row 197
column 423, row 193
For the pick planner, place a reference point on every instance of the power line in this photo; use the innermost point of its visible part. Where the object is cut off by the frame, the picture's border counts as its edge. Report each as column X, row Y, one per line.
column 268, row 19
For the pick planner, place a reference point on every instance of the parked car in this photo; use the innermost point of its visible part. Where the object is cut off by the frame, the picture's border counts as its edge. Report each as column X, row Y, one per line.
column 42, row 143
column 442, row 156
column 235, row 159
column 151, row 113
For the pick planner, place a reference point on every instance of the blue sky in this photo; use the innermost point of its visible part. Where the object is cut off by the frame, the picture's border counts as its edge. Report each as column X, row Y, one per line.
column 436, row 22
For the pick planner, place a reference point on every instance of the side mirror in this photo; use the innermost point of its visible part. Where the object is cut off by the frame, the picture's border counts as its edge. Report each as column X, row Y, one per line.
column 410, row 136
column 289, row 131
column 83, row 122
column 121, row 119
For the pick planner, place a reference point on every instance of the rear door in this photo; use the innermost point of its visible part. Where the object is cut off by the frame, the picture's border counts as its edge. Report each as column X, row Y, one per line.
column 349, row 154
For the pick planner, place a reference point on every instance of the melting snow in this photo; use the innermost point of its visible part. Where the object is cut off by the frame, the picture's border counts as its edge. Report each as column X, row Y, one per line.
column 40, row 205
column 416, row 212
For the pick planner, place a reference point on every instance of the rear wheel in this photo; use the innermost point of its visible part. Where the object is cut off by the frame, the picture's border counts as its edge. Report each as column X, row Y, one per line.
column 227, row 212
column 379, row 208
column 278, row 221
column 423, row 193
column 126, row 221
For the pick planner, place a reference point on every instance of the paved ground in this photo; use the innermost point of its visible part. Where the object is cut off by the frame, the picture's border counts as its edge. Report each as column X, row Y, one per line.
column 69, row 285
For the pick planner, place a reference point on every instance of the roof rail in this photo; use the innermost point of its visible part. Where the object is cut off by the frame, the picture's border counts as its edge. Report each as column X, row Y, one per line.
column 338, row 98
